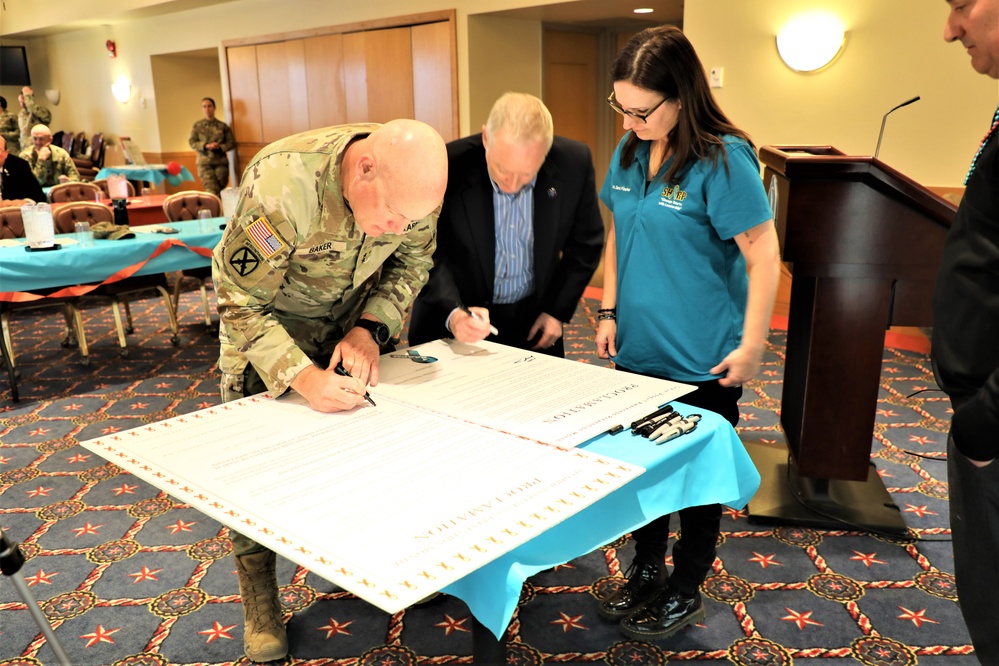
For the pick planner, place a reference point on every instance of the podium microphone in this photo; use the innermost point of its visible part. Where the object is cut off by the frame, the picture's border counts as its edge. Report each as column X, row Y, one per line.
column 882, row 132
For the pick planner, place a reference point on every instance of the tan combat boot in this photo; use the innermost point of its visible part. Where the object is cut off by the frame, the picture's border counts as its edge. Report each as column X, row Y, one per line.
column 264, row 636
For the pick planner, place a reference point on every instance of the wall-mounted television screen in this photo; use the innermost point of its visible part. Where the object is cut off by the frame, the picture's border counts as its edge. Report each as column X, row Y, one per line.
column 14, row 66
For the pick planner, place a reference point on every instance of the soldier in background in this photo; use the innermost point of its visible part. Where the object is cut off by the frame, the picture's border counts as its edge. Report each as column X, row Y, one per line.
column 312, row 274
column 31, row 114
column 9, row 129
column 212, row 139
column 50, row 163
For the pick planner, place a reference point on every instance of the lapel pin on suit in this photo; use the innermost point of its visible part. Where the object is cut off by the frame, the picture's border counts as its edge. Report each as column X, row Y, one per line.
column 552, row 193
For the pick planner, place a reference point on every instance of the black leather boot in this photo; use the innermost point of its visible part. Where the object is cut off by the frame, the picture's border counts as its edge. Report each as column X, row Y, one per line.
column 645, row 579
column 662, row 617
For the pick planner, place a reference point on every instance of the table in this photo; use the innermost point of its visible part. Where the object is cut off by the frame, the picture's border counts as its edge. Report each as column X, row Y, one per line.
column 80, row 268
column 141, row 210
column 154, row 173
column 708, row 465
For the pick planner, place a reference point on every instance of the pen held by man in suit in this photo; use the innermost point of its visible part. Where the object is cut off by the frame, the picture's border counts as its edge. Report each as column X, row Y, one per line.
column 473, row 327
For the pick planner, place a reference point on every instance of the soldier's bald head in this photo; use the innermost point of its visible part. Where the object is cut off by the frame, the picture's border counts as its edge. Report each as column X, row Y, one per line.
column 395, row 175
column 412, row 160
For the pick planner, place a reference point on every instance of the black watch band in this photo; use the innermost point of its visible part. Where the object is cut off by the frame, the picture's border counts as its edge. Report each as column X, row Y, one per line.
column 379, row 331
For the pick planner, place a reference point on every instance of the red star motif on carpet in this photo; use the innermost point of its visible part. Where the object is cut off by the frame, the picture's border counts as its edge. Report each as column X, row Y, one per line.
column 451, row 625
column 922, row 440
column 100, row 635
column 917, row 617
column 124, row 489
column 78, row 458
column 180, row 526
column 867, row 558
column 86, row 529
column 217, row 631
column 145, row 574
column 765, row 560
column 37, row 432
column 4, row 461
column 110, row 429
column 920, row 510
column 138, row 405
column 73, row 407
column 800, row 619
column 41, row 577
column 39, row 492
column 568, row 622
column 332, row 628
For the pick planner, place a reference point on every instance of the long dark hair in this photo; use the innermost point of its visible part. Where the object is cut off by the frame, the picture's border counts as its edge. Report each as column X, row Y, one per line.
column 663, row 60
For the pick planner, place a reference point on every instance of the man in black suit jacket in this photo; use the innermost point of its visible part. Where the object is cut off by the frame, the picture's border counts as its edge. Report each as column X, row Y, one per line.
column 519, row 234
column 16, row 179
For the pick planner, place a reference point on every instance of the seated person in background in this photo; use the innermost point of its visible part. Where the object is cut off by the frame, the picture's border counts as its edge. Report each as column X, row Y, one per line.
column 519, row 235
column 50, row 163
column 17, row 183
column 9, row 129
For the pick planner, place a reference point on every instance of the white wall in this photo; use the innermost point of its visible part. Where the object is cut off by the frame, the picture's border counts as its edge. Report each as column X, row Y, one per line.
column 894, row 51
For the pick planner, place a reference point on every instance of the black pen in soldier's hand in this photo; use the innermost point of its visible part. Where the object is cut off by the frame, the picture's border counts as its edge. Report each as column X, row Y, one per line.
column 340, row 370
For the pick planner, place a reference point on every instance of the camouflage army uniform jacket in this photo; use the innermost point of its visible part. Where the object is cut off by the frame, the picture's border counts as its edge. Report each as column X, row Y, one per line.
column 48, row 171
column 32, row 114
column 10, row 131
column 294, row 271
column 207, row 131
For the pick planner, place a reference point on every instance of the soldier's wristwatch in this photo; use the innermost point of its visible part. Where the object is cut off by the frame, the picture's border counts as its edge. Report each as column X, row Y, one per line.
column 378, row 331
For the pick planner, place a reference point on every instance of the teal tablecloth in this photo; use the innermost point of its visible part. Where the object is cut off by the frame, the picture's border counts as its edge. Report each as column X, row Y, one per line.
column 23, row 271
column 706, row 466
column 154, row 173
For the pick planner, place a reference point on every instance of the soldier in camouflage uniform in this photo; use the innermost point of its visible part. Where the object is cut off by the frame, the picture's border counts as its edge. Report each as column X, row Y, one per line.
column 50, row 164
column 212, row 139
column 9, row 129
column 31, row 114
column 330, row 242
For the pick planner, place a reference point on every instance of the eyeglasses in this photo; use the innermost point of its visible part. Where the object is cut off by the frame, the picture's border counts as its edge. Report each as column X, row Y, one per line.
column 644, row 117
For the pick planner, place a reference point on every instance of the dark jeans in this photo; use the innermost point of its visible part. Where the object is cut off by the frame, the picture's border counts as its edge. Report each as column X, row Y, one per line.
column 694, row 550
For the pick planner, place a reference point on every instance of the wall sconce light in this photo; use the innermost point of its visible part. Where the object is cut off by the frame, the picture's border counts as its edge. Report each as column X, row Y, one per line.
column 811, row 41
column 121, row 89
column 53, row 96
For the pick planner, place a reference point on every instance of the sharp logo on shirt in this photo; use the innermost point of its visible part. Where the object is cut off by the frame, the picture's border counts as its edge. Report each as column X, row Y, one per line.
column 672, row 197
column 264, row 237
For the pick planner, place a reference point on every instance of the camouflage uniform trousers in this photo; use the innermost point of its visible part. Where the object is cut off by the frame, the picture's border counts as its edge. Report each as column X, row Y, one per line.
column 214, row 177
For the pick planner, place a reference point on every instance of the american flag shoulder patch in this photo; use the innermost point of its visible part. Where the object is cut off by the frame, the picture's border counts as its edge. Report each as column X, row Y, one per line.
column 264, row 237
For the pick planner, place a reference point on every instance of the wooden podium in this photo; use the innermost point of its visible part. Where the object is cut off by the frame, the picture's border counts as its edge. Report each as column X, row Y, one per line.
column 863, row 243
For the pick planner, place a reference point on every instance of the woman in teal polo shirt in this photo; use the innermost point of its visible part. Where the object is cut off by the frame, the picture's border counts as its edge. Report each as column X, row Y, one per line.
column 691, row 268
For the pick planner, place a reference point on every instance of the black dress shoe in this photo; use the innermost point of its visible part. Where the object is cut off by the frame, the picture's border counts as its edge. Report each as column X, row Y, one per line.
column 662, row 617
column 645, row 579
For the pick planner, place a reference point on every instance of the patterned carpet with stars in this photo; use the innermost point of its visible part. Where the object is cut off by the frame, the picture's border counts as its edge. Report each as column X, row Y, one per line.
column 127, row 575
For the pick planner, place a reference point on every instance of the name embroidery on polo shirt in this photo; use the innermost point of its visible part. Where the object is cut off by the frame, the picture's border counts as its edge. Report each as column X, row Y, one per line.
column 621, row 188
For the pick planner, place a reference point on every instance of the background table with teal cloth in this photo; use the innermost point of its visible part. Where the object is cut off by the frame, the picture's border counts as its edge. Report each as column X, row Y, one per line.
column 153, row 173
column 706, row 466
column 21, row 270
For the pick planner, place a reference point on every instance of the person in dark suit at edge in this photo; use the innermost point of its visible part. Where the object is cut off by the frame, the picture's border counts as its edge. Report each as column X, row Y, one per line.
column 965, row 350
column 17, row 183
column 519, row 235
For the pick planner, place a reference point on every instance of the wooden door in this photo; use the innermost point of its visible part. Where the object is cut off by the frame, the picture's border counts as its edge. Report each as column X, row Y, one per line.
column 570, row 84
